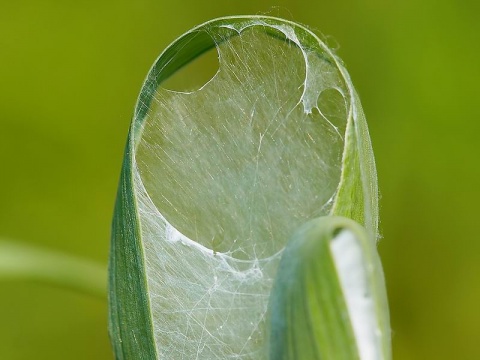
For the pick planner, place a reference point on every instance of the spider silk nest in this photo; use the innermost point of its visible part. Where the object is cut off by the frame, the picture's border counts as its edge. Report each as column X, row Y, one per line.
column 223, row 176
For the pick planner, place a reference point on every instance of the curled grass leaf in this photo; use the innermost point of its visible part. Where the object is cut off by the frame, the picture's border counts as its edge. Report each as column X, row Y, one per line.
column 216, row 179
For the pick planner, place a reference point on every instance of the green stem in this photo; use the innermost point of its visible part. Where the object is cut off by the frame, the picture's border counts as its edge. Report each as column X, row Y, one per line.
column 23, row 262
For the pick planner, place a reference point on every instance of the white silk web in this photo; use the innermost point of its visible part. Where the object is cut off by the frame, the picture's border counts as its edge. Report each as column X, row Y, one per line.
column 223, row 176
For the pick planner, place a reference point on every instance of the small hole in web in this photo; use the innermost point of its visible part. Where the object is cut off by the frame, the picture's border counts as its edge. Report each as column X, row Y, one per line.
column 331, row 104
column 196, row 74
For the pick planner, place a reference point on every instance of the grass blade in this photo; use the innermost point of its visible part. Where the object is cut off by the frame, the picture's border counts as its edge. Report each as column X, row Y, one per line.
column 215, row 181
column 328, row 301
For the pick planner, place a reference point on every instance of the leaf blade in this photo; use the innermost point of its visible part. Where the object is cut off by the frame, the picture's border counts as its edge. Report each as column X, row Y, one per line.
column 328, row 277
column 130, row 325
column 157, row 280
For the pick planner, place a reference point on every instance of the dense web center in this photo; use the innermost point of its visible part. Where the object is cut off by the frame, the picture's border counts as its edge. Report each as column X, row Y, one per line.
column 240, row 164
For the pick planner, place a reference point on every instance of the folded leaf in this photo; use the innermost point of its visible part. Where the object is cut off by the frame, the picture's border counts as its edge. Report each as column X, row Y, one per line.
column 215, row 181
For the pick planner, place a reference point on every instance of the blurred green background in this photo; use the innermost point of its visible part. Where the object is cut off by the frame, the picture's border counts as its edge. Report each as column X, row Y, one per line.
column 70, row 74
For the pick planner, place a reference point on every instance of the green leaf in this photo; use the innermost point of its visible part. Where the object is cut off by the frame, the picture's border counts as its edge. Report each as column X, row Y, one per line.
column 328, row 301
column 216, row 179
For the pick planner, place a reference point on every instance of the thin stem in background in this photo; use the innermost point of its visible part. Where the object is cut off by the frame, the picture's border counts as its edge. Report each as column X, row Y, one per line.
column 19, row 261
